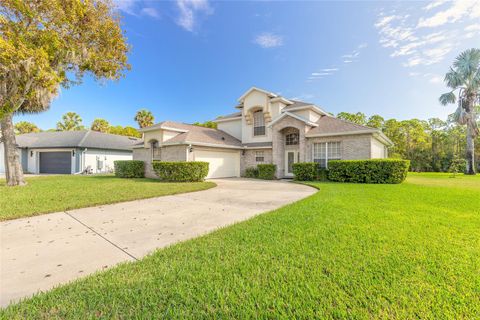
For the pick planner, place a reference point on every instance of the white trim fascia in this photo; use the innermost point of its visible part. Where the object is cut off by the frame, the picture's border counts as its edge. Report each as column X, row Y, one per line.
column 286, row 113
column 347, row 133
column 173, row 129
column 281, row 99
column 227, row 119
column 162, row 128
column 311, row 106
column 381, row 136
column 139, row 146
column 271, row 94
column 264, row 147
column 201, row 144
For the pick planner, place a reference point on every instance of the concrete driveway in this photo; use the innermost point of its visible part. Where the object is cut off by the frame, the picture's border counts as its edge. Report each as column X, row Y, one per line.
column 41, row 252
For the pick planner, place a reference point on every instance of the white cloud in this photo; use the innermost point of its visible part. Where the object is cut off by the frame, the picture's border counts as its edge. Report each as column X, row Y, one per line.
column 330, row 69
column 434, row 4
column 189, row 11
column 347, row 61
column 425, row 37
column 456, row 11
column 436, row 79
column 151, row 12
column 127, row 6
column 268, row 40
column 473, row 27
column 321, row 73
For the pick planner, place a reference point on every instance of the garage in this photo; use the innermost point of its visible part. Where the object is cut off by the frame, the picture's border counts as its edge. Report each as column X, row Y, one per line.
column 223, row 164
column 56, row 162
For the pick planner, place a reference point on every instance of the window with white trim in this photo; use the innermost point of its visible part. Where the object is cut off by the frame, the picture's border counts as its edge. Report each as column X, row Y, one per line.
column 258, row 123
column 291, row 139
column 322, row 152
column 259, row 156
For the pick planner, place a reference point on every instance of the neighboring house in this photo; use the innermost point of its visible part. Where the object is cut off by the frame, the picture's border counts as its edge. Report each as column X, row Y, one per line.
column 267, row 128
column 67, row 152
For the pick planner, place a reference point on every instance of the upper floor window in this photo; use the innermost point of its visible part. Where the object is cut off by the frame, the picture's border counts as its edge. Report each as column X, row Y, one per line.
column 258, row 123
column 322, row 152
column 291, row 139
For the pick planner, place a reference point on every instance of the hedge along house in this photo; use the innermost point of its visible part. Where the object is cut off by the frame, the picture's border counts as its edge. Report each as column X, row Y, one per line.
column 69, row 152
column 267, row 128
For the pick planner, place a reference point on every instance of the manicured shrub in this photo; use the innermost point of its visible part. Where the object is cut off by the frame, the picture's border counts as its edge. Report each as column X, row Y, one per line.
column 305, row 171
column 309, row 171
column 188, row 171
column 129, row 168
column 266, row 171
column 251, row 172
column 368, row 171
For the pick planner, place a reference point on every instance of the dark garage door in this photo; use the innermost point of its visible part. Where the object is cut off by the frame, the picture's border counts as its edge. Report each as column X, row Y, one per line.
column 55, row 162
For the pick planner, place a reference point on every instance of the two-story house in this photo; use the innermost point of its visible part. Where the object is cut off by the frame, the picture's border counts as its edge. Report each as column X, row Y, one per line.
column 267, row 128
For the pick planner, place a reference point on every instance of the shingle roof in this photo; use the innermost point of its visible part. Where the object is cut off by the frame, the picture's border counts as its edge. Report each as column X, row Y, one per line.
column 76, row 139
column 197, row 134
column 231, row 115
column 332, row 125
column 297, row 104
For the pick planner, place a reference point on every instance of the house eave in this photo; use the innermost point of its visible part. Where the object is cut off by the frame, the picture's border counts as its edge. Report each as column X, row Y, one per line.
column 201, row 144
column 287, row 113
column 311, row 107
column 162, row 128
column 346, row 133
column 270, row 94
column 227, row 119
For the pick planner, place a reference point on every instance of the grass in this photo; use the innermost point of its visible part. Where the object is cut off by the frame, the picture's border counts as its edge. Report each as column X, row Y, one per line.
column 58, row 193
column 349, row 251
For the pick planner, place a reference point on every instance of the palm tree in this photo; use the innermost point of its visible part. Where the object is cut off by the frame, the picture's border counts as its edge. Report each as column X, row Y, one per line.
column 71, row 121
column 100, row 125
column 26, row 127
column 144, row 118
column 464, row 77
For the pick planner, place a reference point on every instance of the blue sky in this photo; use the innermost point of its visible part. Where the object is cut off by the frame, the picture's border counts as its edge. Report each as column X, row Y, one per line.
column 191, row 60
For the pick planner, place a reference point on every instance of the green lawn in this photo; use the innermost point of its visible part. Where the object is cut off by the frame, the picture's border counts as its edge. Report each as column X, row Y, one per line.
column 57, row 193
column 404, row 251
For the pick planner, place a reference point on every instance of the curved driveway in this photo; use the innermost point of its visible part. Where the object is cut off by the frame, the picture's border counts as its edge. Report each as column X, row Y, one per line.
column 41, row 252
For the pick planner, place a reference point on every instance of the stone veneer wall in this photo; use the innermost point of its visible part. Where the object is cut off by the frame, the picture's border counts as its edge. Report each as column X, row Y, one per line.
column 145, row 156
column 278, row 142
column 248, row 159
column 354, row 147
column 167, row 153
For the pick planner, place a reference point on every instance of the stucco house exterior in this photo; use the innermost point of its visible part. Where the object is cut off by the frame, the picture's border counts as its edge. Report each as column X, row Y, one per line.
column 69, row 152
column 267, row 128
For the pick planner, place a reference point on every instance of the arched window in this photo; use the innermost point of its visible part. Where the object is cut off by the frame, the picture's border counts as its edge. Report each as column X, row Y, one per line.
column 258, row 123
column 291, row 139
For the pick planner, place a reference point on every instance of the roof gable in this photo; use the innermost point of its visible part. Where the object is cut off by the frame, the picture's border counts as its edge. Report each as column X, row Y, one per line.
column 270, row 94
column 289, row 114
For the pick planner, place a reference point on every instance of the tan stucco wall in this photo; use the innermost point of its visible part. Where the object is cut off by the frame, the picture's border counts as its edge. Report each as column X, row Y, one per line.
column 248, row 159
column 353, row 147
column 232, row 127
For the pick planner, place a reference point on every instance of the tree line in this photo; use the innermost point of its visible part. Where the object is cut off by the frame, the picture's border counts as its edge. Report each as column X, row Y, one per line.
column 430, row 145
column 72, row 121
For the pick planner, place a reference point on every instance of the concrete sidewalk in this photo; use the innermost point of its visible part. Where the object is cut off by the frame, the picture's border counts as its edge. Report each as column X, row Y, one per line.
column 41, row 252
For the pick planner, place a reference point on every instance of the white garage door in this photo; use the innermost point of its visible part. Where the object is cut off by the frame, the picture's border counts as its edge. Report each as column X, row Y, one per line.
column 222, row 164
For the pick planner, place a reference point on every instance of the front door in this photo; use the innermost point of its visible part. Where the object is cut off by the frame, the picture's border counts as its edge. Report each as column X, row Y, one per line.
column 291, row 157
